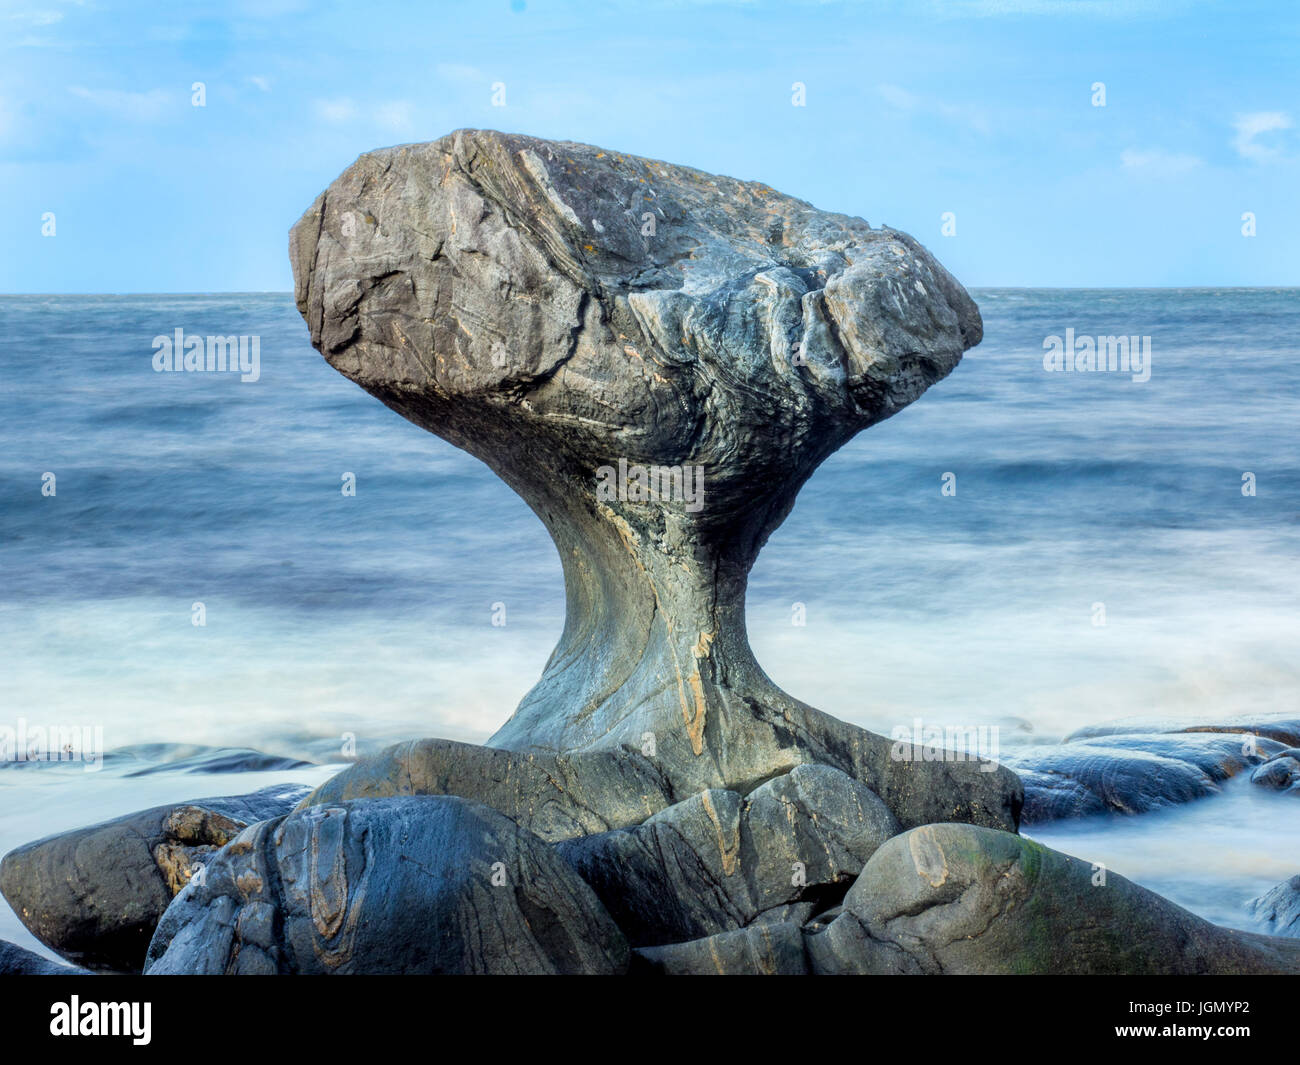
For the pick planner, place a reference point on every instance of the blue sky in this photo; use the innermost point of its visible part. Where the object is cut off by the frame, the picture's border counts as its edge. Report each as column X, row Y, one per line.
column 982, row 108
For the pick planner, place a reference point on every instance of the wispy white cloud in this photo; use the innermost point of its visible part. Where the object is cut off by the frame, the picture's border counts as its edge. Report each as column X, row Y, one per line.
column 1157, row 162
column 1253, row 125
column 260, row 82
column 396, row 116
column 133, row 106
column 461, row 73
column 341, row 109
column 906, row 101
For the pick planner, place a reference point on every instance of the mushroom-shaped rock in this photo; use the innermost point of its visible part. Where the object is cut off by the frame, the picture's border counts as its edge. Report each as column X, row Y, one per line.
column 656, row 359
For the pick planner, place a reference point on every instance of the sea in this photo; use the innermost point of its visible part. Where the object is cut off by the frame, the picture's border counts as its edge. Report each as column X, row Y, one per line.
column 248, row 582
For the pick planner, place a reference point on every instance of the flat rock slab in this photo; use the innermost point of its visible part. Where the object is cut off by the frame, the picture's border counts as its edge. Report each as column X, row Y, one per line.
column 564, row 796
column 715, row 862
column 964, row 900
column 94, row 895
column 554, row 796
column 409, row 885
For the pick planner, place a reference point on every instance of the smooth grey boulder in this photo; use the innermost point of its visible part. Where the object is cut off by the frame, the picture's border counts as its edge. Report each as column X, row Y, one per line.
column 418, row 885
column 717, row 861
column 94, row 895
column 18, row 961
column 1280, row 773
column 761, row 950
column 962, row 899
column 554, row 796
column 1279, row 908
column 1119, row 769
column 656, row 359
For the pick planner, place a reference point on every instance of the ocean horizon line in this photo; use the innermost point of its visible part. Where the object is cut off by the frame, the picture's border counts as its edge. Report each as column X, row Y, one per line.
column 969, row 288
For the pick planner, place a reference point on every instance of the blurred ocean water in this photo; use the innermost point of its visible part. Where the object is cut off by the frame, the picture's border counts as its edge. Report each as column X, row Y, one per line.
column 370, row 616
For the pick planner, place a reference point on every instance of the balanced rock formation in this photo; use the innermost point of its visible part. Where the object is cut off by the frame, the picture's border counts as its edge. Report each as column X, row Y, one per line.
column 94, row 895
column 387, row 886
column 656, row 359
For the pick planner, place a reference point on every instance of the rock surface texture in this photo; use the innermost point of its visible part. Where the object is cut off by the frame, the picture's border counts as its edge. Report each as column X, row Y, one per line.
column 1279, row 908
column 18, row 961
column 95, row 894
column 961, row 899
column 387, row 886
column 716, row 861
column 656, row 359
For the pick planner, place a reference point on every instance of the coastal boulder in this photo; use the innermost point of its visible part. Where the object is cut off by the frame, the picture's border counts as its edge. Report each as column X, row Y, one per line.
column 94, row 895
column 554, row 796
column 960, row 899
column 1281, row 772
column 407, row 885
column 1279, row 908
column 18, row 961
column 1140, row 765
column 717, row 861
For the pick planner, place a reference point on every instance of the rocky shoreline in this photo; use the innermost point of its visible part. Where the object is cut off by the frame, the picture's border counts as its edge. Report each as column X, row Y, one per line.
column 656, row 804
column 399, row 865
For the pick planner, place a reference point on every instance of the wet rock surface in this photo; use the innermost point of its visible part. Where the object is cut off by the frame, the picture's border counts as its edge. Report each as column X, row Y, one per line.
column 418, row 885
column 554, row 796
column 94, row 895
column 717, row 861
column 1279, row 908
column 1141, row 765
column 18, row 961
column 962, row 899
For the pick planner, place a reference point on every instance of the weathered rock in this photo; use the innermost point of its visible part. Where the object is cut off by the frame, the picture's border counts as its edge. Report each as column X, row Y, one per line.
column 1279, row 908
column 1280, row 773
column 387, row 886
column 565, row 795
column 94, row 895
column 1280, row 727
column 761, row 950
column 718, row 860
column 1116, row 768
column 581, row 319
column 962, row 899
column 554, row 796
column 18, row 961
